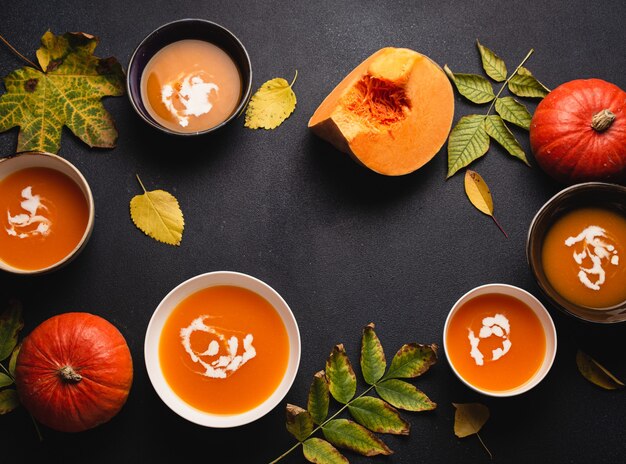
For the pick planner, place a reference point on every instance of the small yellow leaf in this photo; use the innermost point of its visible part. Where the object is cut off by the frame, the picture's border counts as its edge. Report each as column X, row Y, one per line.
column 271, row 104
column 469, row 418
column 478, row 193
column 158, row 215
column 596, row 373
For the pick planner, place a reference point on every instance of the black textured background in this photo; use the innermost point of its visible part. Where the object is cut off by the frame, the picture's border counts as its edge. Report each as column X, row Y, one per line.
column 344, row 246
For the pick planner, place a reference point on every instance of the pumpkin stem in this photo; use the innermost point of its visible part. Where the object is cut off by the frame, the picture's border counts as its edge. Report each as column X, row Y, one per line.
column 602, row 121
column 69, row 375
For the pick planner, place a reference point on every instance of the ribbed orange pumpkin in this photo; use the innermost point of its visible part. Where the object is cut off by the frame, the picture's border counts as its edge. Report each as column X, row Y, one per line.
column 74, row 371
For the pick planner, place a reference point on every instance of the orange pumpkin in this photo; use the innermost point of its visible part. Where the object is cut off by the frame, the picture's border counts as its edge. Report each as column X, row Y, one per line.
column 74, row 371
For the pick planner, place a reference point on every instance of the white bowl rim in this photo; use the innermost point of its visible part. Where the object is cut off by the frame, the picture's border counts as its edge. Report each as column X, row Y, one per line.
column 84, row 187
column 546, row 321
column 161, row 386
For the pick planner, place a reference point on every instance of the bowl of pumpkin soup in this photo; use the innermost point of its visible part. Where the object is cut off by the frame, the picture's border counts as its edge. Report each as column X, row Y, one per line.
column 576, row 251
column 222, row 349
column 46, row 212
column 189, row 77
column 499, row 340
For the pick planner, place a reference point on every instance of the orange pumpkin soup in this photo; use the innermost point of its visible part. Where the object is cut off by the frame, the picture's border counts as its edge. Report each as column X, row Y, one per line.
column 190, row 86
column 495, row 342
column 584, row 257
column 224, row 349
column 43, row 216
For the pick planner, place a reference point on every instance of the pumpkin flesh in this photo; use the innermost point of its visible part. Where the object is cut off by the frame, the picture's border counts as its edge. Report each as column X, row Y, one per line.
column 96, row 353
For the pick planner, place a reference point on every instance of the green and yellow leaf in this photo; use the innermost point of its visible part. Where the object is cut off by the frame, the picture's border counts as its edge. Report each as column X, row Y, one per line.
column 403, row 395
column 271, row 104
column 513, row 111
column 319, row 451
column 475, row 88
column 378, row 416
column 5, row 380
column 11, row 324
column 340, row 374
column 497, row 130
column 8, row 400
column 299, row 422
column 13, row 360
column 68, row 93
column 319, row 398
column 467, row 142
column 158, row 215
column 493, row 65
column 469, row 418
column 373, row 362
column 524, row 84
column 411, row 360
column 344, row 433
column 596, row 373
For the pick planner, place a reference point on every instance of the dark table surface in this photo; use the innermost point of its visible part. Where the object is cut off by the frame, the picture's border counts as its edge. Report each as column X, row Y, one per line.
column 343, row 245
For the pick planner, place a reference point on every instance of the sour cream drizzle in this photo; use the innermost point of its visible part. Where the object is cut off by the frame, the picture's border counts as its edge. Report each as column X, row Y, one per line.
column 22, row 225
column 193, row 94
column 598, row 251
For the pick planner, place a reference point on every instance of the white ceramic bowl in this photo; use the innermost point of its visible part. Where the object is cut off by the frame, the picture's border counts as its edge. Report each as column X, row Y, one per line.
column 155, row 327
column 546, row 322
column 25, row 160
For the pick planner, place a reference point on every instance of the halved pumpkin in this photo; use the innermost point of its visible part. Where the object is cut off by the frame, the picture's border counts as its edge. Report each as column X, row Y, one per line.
column 392, row 113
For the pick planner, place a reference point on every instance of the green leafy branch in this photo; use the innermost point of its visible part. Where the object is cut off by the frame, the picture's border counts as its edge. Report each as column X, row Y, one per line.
column 11, row 324
column 469, row 139
column 370, row 415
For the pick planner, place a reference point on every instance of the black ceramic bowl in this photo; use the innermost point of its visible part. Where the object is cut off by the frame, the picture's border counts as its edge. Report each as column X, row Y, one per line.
column 588, row 194
column 190, row 28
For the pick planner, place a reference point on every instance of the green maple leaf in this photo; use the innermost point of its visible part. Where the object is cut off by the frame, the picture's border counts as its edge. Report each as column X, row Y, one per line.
column 67, row 92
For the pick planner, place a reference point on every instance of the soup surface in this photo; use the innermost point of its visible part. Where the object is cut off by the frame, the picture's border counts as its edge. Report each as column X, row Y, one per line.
column 190, row 86
column 495, row 342
column 224, row 350
column 584, row 257
column 43, row 217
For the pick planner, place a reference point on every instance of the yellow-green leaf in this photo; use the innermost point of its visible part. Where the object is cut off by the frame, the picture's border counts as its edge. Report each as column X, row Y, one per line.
column 412, row 360
column 493, row 65
column 299, row 422
column 378, row 416
column 13, row 360
column 524, row 84
column 475, row 88
column 271, row 104
column 467, row 142
column 68, row 93
column 479, row 195
column 319, row 398
column 11, row 324
column 340, row 374
column 8, row 400
column 597, row 374
column 373, row 362
column 158, row 215
column 403, row 395
column 5, row 380
column 347, row 434
column 319, row 451
column 497, row 130
column 513, row 111
column 469, row 418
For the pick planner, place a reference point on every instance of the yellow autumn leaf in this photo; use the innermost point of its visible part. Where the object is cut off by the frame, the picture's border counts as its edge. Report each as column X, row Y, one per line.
column 158, row 215
column 469, row 418
column 271, row 104
column 479, row 195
